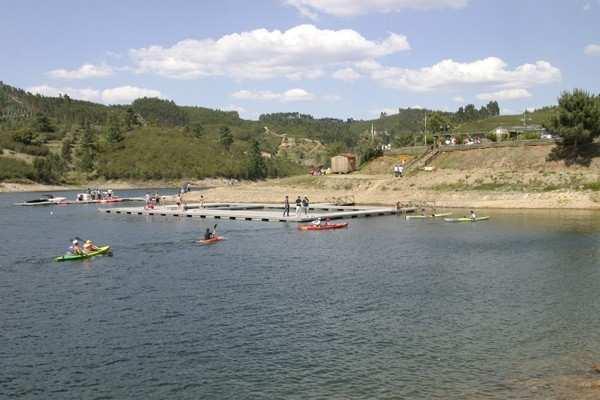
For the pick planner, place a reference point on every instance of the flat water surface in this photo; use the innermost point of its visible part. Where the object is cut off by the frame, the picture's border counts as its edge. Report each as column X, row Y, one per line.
column 387, row 309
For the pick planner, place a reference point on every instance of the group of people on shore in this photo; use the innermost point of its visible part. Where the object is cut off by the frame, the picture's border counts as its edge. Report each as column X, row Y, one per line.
column 302, row 206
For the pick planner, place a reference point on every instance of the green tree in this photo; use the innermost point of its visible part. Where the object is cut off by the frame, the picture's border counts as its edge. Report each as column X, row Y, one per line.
column 225, row 137
column 113, row 133
column 49, row 169
column 131, row 120
column 66, row 148
column 197, row 130
column 87, row 153
column 41, row 123
column 577, row 121
column 438, row 123
column 256, row 164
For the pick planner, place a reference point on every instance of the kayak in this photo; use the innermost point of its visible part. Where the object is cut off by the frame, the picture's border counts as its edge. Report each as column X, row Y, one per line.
column 466, row 219
column 427, row 216
column 211, row 240
column 74, row 257
column 322, row 227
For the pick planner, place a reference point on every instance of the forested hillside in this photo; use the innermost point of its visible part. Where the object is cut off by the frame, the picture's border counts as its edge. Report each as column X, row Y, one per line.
column 59, row 139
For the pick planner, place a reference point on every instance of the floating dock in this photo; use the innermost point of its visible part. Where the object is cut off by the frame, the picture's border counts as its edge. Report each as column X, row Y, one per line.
column 258, row 212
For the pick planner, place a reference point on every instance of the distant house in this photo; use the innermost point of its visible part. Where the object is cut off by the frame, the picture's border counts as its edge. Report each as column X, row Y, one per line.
column 343, row 164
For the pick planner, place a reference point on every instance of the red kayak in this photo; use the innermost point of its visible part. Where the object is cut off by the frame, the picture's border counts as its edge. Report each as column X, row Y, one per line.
column 211, row 240
column 322, row 227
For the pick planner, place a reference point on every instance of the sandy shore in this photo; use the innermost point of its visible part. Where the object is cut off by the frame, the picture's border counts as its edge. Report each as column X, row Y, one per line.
column 115, row 185
column 387, row 191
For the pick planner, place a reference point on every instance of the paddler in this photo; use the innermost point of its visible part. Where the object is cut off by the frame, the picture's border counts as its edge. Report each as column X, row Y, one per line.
column 473, row 216
column 317, row 222
column 88, row 246
column 75, row 248
column 208, row 234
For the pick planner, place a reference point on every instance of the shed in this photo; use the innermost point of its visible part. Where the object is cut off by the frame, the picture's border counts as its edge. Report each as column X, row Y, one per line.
column 343, row 163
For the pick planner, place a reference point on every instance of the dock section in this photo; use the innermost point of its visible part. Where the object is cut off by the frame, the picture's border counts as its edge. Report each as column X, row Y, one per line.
column 258, row 212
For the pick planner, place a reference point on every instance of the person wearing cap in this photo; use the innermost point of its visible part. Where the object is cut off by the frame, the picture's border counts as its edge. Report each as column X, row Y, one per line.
column 88, row 246
column 75, row 248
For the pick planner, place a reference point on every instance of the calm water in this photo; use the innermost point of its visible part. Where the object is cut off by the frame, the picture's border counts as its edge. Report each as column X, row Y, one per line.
column 386, row 309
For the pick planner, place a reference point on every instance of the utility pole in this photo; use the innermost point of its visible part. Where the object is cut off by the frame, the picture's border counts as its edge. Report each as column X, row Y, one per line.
column 425, row 132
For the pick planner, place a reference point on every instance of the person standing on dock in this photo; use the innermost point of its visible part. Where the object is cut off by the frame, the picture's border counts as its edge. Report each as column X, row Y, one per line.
column 305, row 205
column 286, row 207
column 298, row 206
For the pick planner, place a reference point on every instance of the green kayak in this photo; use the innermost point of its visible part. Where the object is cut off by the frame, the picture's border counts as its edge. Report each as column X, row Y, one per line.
column 466, row 219
column 428, row 216
column 74, row 257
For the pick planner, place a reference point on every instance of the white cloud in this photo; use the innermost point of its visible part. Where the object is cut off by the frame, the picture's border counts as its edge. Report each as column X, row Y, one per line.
column 126, row 94
column 348, row 8
column 458, row 99
column 84, row 72
column 291, row 95
column 449, row 73
column 592, row 50
column 346, row 74
column 298, row 53
column 508, row 94
column 118, row 95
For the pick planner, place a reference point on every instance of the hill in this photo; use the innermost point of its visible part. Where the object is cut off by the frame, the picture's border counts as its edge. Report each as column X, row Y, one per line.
column 79, row 140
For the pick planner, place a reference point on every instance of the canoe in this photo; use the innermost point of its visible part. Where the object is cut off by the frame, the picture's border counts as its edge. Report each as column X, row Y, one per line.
column 211, row 240
column 74, row 257
column 427, row 216
column 464, row 219
column 322, row 227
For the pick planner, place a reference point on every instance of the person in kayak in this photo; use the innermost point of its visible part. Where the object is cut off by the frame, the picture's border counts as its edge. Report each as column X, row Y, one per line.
column 473, row 215
column 317, row 222
column 208, row 234
column 75, row 248
column 88, row 246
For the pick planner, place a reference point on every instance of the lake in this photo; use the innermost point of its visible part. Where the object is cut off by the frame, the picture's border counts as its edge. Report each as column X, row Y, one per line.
column 387, row 309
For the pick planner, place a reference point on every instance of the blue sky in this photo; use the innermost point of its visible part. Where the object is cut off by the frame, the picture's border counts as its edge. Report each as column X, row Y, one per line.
column 340, row 58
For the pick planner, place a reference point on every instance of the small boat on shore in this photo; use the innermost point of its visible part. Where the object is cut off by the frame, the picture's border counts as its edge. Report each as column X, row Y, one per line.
column 322, row 227
column 467, row 219
column 74, row 257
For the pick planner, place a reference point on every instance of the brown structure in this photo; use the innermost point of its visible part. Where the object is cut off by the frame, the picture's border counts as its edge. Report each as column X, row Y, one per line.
column 343, row 164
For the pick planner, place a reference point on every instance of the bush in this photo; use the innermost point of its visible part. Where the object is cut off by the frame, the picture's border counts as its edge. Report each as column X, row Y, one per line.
column 49, row 169
column 11, row 168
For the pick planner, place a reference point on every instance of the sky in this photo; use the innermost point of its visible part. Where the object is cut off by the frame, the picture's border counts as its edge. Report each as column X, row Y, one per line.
column 328, row 58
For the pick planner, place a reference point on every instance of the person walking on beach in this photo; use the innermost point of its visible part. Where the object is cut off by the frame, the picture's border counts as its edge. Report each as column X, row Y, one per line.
column 305, row 205
column 201, row 201
column 286, row 207
column 298, row 206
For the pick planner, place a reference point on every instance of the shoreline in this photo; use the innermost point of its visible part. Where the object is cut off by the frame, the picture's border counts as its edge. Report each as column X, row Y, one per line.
column 375, row 193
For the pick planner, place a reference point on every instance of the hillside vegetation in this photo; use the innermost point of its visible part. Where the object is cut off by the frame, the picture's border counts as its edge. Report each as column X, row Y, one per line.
column 59, row 139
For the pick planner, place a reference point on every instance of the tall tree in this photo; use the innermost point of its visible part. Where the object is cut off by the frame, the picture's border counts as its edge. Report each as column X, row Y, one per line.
column 256, row 165
column 577, row 121
column 225, row 137
column 87, row 153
